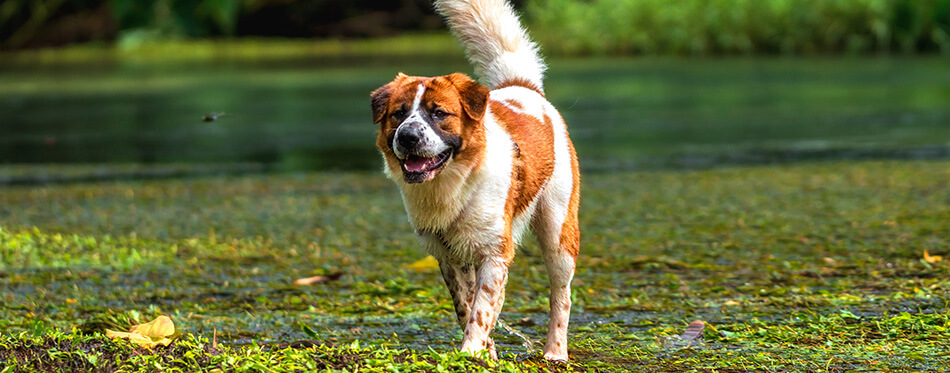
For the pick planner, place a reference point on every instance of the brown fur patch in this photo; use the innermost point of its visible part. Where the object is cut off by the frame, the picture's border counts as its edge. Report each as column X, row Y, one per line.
column 570, row 231
column 534, row 167
column 521, row 82
column 514, row 104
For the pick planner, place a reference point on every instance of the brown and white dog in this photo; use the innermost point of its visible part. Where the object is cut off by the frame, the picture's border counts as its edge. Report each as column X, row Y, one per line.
column 478, row 165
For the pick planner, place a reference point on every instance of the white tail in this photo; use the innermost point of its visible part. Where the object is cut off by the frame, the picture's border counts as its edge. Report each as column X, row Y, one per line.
column 494, row 41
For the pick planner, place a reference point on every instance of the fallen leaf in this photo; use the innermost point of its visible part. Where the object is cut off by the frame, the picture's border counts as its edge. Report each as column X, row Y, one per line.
column 424, row 264
column 318, row 279
column 156, row 332
column 694, row 331
column 134, row 337
column 692, row 338
column 161, row 327
column 931, row 258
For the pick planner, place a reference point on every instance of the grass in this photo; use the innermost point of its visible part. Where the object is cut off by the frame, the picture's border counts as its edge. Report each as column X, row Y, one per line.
column 804, row 267
column 260, row 50
column 715, row 27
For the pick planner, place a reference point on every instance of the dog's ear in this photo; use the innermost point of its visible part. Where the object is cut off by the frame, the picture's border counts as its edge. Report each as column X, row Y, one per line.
column 474, row 95
column 379, row 99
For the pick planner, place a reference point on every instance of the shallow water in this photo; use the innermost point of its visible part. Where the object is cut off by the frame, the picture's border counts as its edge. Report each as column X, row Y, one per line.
column 623, row 113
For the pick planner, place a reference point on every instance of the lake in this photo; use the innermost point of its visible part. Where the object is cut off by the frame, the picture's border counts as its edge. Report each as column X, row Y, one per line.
column 623, row 113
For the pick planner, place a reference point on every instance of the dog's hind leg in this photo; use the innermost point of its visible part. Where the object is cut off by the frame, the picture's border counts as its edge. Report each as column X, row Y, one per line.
column 559, row 237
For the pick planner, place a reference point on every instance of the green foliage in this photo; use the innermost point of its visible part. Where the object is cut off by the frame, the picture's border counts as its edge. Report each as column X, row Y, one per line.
column 740, row 26
column 74, row 352
column 37, row 249
column 142, row 21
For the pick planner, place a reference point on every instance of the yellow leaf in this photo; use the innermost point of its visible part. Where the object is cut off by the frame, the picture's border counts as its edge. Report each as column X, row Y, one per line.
column 134, row 337
column 161, row 327
column 150, row 334
column 424, row 264
column 931, row 258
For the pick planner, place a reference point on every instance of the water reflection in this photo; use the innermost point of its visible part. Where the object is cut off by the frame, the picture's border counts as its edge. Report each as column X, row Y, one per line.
column 623, row 113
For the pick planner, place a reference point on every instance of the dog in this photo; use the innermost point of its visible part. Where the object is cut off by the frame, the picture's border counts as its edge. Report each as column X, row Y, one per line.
column 477, row 165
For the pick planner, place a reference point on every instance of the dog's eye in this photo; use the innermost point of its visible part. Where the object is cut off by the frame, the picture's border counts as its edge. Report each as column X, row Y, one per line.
column 399, row 113
column 439, row 114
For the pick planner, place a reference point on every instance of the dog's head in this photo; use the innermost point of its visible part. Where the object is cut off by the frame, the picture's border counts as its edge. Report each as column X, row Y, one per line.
column 428, row 123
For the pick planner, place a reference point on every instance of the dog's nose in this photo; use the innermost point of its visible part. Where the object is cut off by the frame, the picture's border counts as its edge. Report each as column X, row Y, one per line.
column 409, row 138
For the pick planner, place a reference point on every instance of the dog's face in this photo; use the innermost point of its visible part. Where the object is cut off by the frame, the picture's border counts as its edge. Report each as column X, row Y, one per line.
column 428, row 123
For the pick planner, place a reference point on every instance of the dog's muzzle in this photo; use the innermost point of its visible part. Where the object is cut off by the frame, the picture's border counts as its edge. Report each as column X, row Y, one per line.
column 421, row 152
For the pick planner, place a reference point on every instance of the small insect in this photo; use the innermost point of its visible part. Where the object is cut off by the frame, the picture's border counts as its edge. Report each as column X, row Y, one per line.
column 213, row 117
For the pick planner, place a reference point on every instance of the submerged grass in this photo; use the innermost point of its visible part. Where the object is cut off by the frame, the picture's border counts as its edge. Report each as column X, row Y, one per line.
column 807, row 267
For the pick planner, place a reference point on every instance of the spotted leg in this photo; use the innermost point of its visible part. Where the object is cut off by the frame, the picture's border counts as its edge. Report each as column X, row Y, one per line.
column 460, row 279
column 559, row 241
column 560, row 272
column 492, row 277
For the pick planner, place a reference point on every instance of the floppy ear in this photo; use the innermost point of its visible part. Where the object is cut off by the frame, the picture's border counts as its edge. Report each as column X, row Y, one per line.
column 379, row 99
column 474, row 95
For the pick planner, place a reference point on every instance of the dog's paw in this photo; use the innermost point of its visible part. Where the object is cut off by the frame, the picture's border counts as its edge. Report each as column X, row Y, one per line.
column 482, row 352
column 556, row 357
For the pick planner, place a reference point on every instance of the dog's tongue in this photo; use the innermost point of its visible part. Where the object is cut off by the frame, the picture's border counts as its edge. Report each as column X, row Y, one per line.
column 415, row 163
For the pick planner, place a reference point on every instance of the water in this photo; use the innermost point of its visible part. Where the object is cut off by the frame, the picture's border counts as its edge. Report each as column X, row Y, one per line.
column 623, row 113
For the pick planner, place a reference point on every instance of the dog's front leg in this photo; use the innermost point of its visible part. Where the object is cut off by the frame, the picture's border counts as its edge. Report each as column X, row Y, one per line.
column 492, row 276
column 460, row 279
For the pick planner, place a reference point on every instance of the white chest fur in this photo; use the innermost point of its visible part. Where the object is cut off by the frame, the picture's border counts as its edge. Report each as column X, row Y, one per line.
column 465, row 207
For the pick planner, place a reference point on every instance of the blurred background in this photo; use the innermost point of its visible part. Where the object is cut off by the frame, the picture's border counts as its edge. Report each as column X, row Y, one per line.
column 119, row 87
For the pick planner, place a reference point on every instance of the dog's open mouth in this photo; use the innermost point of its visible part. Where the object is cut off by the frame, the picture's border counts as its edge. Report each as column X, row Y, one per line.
column 418, row 169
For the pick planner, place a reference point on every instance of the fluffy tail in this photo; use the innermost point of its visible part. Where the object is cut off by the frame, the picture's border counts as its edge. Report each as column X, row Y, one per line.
column 494, row 42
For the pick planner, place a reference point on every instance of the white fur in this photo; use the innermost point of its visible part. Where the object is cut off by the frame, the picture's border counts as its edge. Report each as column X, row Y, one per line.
column 531, row 102
column 554, row 205
column 557, row 192
column 519, row 225
column 494, row 40
column 475, row 224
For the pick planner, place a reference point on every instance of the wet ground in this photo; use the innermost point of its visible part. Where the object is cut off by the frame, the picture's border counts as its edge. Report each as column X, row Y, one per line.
column 814, row 266
column 797, row 206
